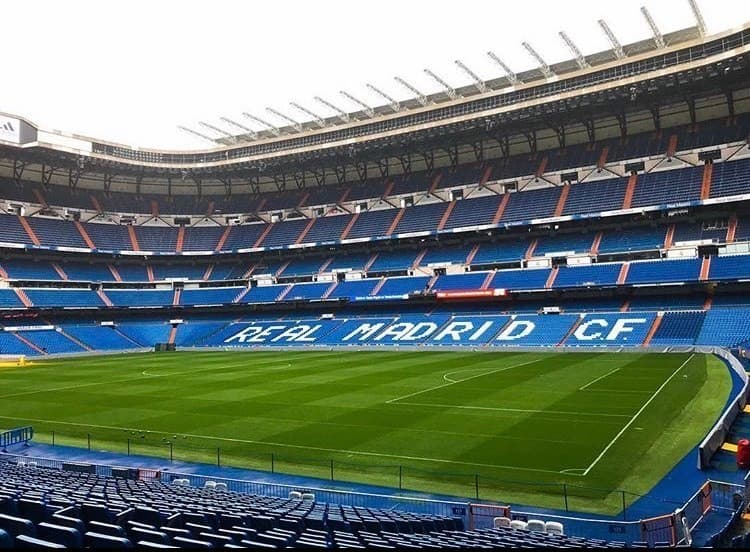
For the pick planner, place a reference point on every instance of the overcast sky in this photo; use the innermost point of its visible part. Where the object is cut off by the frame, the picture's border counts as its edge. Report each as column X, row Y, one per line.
column 131, row 71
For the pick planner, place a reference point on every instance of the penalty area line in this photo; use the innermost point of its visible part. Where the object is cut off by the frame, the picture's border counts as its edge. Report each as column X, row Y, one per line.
column 453, row 382
column 635, row 416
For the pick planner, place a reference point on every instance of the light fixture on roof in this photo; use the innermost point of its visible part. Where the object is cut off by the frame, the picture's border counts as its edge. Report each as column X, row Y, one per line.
column 421, row 98
column 511, row 76
column 366, row 108
column 701, row 24
column 658, row 38
column 543, row 67
column 251, row 132
column 279, row 114
column 317, row 118
column 447, row 88
column 580, row 60
column 195, row 133
column 616, row 46
column 275, row 131
column 393, row 104
column 343, row 115
column 478, row 83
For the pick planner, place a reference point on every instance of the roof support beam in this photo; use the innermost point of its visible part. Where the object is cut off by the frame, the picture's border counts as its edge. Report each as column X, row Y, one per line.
column 447, row 88
column 216, row 129
column 700, row 22
column 343, row 115
column 478, row 83
column 280, row 115
column 315, row 117
column 658, row 38
column 421, row 98
column 616, row 46
column 275, row 131
column 511, row 76
column 253, row 135
column 580, row 60
column 366, row 108
column 543, row 67
column 393, row 104
column 196, row 133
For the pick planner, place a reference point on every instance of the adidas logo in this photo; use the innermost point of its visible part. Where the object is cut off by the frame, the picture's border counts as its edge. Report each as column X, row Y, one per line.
column 7, row 127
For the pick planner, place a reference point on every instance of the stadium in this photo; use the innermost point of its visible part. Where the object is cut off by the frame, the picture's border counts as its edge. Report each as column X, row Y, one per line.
column 514, row 313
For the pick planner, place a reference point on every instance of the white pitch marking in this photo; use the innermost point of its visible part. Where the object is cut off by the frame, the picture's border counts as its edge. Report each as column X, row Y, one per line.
column 288, row 445
column 462, row 380
column 599, row 378
column 520, row 410
column 635, row 416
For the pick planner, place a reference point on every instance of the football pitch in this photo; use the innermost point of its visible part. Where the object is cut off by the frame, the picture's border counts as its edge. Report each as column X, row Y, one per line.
column 508, row 427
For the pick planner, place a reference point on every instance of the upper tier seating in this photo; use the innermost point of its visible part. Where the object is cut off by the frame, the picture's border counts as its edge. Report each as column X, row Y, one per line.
column 473, row 211
column 209, row 296
column 600, row 195
column 661, row 187
column 587, row 275
column 53, row 232
column 653, row 272
column 50, row 297
column 633, row 239
column 202, row 238
column 531, row 204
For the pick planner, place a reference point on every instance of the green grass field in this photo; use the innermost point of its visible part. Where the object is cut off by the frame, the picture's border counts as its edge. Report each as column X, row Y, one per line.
column 519, row 424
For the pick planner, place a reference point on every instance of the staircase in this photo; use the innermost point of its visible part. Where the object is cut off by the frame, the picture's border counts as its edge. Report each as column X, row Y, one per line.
column 283, row 294
column 625, row 306
column 263, row 235
column 435, row 181
column 176, row 298
column 669, row 238
column 488, row 280
column 103, row 296
column 501, row 208
column 561, row 200
column 542, row 166
column 85, row 235
column 653, row 330
column 223, row 239
column 29, row 230
column 173, row 334
column 60, row 271
column 602, row 157
column 40, row 197
column 241, row 295
column 388, row 187
column 150, row 273
column 570, row 332
column 471, row 255
column 74, row 340
column 349, row 226
column 446, row 215
column 115, row 273
column 419, row 258
column 330, row 289
column 530, row 250
column 732, row 229
column 672, row 145
column 207, row 273
column 395, row 222
column 597, row 243
column 95, row 204
column 180, row 239
column 305, row 230
column 486, row 175
column 23, row 297
column 282, row 268
column 705, row 268
column 708, row 171
column 378, row 286
column 133, row 239
column 551, row 278
column 370, row 262
column 28, row 343
column 325, row 265
column 708, row 303
column 623, row 276
column 630, row 191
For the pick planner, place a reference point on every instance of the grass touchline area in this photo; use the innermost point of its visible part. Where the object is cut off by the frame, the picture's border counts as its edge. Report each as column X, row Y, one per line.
column 524, row 424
